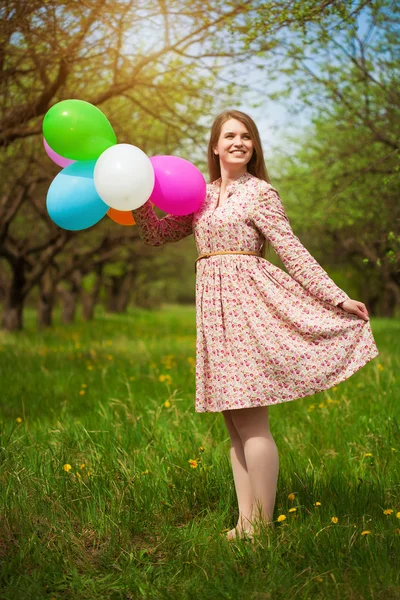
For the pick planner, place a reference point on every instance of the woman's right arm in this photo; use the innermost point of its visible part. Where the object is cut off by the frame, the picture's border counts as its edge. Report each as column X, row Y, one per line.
column 155, row 232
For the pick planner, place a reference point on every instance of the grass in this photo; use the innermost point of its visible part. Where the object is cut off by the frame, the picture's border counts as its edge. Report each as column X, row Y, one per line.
column 113, row 487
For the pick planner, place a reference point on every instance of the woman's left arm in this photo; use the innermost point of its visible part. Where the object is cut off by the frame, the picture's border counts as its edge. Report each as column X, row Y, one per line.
column 270, row 219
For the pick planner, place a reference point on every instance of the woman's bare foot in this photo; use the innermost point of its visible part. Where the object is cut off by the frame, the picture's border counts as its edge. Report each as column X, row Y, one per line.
column 239, row 532
column 244, row 532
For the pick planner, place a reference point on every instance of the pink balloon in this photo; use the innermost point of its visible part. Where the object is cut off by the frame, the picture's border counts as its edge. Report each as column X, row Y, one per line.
column 59, row 160
column 180, row 188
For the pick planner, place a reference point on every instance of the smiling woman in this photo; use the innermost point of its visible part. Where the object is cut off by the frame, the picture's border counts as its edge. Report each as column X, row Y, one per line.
column 264, row 336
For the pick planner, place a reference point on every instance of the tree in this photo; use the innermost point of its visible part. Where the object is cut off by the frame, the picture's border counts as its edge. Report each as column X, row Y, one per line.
column 146, row 64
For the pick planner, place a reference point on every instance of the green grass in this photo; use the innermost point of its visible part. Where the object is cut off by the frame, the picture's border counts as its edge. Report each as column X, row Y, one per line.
column 137, row 520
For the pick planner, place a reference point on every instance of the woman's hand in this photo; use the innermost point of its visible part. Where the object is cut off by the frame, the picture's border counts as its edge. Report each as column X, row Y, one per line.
column 356, row 308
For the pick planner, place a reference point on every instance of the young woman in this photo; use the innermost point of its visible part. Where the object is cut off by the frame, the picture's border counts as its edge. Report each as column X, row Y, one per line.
column 264, row 336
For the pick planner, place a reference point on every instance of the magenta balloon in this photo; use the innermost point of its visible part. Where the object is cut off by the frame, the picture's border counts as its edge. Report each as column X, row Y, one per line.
column 180, row 188
column 59, row 160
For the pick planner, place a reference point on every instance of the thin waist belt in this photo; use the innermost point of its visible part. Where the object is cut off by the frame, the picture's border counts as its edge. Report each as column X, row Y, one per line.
column 224, row 252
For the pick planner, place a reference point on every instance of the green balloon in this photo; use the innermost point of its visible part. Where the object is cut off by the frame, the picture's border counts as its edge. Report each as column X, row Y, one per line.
column 77, row 130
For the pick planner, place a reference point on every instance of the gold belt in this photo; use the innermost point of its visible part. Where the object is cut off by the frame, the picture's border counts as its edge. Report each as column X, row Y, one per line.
column 207, row 254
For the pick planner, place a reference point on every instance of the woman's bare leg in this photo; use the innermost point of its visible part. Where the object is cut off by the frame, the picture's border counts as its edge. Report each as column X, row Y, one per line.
column 241, row 478
column 261, row 459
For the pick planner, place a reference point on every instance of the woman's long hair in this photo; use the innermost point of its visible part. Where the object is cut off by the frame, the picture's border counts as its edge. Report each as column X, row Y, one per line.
column 255, row 166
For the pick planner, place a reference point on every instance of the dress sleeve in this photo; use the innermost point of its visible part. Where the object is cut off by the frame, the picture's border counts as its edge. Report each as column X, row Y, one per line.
column 270, row 219
column 155, row 232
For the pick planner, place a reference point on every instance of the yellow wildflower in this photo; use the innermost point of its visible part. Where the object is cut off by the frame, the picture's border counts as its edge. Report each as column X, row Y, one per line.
column 19, row 420
column 291, row 496
column 319, row 579
column 167, row 404
column 146, row 472
column 84, row 385
column 67, row 467
column 202, row 449
column 281, row 518
column 334, row 519
column 398, row 515
column 317, row 503
column 292, row 509
column 82, row 466
column 78, row 475
column 82, row 393
column 387, row 511
column 368, row 454
column 365, row 532
column 193, row 463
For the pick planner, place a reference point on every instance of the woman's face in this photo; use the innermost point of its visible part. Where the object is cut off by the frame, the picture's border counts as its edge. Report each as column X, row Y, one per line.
column 234, row 146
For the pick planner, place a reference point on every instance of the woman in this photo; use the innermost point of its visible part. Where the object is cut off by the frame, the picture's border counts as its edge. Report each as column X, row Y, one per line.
column 264, row 336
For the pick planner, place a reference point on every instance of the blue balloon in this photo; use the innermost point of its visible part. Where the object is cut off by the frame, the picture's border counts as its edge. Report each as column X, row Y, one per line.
column 72, row 201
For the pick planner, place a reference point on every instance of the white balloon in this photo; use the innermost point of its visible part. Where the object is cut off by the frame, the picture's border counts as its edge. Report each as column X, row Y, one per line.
column 124, row 177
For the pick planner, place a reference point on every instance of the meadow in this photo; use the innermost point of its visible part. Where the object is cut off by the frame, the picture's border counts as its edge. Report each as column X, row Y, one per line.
column 113, row 487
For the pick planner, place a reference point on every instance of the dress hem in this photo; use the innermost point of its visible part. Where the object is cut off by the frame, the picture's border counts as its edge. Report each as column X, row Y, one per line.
column 309, row 393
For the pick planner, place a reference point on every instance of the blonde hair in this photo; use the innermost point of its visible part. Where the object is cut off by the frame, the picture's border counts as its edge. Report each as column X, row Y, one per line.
column 255, row 166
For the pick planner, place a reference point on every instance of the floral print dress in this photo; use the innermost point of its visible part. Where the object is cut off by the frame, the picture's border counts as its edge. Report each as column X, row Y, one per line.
column 264, row 336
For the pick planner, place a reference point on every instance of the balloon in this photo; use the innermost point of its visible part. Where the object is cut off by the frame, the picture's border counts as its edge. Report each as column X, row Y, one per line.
column 78, row 130
column 122, row 217
column 179, row 188
column 72, row 201
column 59, row 160
column 124, row 177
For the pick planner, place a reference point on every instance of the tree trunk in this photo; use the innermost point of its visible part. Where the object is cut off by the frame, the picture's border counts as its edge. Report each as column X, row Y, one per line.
column 113, row 291
column 70, row 298
column 47, row 295
column 125, row 291
column 12, row 319
column 89, row 299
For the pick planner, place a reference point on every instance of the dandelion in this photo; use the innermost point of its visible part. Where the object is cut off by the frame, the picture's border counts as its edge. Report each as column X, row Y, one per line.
column 19, row 420
column 317, row 503
column 387, row 511
column 281, row 518
column 321, row 405
column 366, row 532
column 292, row 509
column 67, row 467
column 146, row 472
column 78, row 475
column 291, row 496
column 380, row 367
column 193, row 463
column 368, row 454
column 335, row 388
column 202, row 449
column 398, row 515
column 82, row 466
column 167, row 404
column 319, row 579
column 82, row 393
column 334, row 519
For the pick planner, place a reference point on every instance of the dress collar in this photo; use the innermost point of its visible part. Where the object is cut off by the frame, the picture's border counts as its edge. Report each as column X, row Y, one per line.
column 234, row 184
